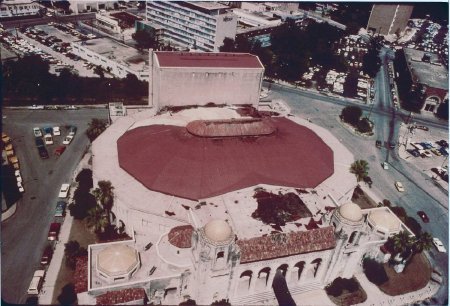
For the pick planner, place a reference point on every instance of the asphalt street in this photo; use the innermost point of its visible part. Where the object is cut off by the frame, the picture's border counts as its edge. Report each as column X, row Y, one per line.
column 421, row 192
column 24, row 235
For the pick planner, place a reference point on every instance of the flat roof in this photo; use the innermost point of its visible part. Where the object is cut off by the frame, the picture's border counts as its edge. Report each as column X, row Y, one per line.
column 196, row 168
column 432, row 75
column 118, row 52
column 207, row 60
column 208, row 5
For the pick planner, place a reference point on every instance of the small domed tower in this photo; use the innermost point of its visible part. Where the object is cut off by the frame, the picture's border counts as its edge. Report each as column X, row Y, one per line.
column 348, row 221
column 214, row 254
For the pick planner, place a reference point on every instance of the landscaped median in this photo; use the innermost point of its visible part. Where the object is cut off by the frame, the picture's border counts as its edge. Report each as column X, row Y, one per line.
column 352, row 115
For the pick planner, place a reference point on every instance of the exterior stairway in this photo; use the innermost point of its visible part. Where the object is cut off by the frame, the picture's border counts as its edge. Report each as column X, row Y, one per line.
column 268, row 297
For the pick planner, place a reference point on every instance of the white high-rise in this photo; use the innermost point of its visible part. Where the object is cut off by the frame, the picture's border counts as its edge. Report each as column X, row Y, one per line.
column 197, row 25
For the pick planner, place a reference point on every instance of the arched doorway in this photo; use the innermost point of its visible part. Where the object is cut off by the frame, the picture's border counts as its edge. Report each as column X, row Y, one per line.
column 283, row 269
column 297, row 271
column 262, row 279
column 244, row 282
column 316, row 263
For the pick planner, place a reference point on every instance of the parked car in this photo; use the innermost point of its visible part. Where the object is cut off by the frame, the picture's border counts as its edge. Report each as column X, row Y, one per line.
column 5, row 138
column 36, row 282
column 422, row 127
column 47, row 255
column 53, row 232
column 439, row 245
column 48, row 130
column 392, row 145
column 442, row 143
column 56, row 131
column 36, row 107
column 60, row 210
column 427, row 145
column 378, row 144
column 48, row 139
column 71, row 107
column 60, row 150
column 64, row 191
column 436, row 152
column 416, row 145
column 423, row 216
column 68, row 139
column 385, row 165
column 414, row 153
column 37, row 132
column 399, row 186
column 43, row 153
column 72, row 130
column 425, row 153
column 20, row 186
column 39, row 142
column 444, row 151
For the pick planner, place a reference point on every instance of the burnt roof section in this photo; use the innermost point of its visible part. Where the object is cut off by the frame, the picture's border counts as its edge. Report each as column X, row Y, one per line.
column 230, row 127
column 170, row 160
column 169, row 59
column 180, row 236
column 282, row 244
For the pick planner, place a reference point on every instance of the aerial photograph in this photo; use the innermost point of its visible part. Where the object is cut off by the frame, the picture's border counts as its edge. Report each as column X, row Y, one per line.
column 224, row 153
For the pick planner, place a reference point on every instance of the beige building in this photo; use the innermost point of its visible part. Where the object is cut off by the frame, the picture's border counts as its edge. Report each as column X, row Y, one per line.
column 183, row 78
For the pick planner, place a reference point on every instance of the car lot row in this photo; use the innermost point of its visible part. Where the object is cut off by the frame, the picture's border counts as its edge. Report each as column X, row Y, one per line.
column 47, row 138
column 8, row 151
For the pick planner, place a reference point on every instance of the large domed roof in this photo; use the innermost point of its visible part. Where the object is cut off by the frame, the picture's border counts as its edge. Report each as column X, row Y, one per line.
column 117, row 260
column 217, row 230
column 385, row 220
column 351, row 212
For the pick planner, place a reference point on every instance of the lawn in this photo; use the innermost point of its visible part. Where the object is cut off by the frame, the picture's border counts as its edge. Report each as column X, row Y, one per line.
column 80, row 233
column 350, row 298
column 414, row 277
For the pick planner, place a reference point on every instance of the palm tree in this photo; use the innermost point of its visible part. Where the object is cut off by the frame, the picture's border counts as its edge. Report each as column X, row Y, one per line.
column 360, row 168
column 402, row 243
column 105, row 196
column 96, row 219
column 96, row 127
column 423, row 242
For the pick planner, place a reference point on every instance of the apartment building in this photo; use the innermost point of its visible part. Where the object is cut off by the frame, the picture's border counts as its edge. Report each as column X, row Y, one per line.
column 17, row 8
column 195, row 25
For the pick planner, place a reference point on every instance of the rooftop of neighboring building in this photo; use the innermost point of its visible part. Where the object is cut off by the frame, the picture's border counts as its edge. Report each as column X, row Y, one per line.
column 432, row 74
column 117, row 52
column 206, row 5
column 169, row 59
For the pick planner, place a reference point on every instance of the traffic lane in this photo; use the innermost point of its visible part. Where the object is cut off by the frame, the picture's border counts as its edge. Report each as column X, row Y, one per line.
column 42, row 180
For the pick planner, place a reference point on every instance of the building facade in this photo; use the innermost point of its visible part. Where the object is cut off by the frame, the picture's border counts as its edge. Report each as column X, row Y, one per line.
column 388, row 19
column 81, row 6
column 114, row 57
column 182, row 79
column 18, row 8
column 196, row 25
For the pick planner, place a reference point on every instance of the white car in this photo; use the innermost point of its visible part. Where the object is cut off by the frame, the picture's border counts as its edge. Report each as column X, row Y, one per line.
column 19, row 184
column 36, row 107
column 439, row 246
column 37, row 132
column 399, row 186
column 19, row 178
column 48, row 139
column 56, row 131
column 68, row 139
column 64, row 191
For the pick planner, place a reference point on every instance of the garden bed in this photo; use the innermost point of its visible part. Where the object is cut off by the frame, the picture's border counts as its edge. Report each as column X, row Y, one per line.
column 362, row 199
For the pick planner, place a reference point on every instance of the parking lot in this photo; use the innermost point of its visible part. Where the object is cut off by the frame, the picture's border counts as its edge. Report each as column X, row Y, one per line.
column 431, row 158
column 24, row 235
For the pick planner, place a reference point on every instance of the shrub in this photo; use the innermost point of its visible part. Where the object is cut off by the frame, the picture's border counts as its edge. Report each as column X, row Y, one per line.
column 68, row 295
column 413, row 225
column 374, row 271
column 351, row 114
column 335, row 288
column 84, row 179
column 364, row 126
column 400, row 212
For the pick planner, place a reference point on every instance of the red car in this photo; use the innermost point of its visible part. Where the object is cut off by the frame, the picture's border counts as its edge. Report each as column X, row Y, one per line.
column 423, row 216
column 60, row 150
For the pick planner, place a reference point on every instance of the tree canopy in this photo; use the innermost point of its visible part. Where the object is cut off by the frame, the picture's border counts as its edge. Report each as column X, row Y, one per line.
column 145, row 39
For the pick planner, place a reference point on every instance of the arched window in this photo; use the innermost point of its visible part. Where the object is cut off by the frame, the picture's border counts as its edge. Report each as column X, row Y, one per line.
column 220, row 254
column 352, row 237
column 264, row 273
column 316, row 263
column 283, row 269
column 300, row 266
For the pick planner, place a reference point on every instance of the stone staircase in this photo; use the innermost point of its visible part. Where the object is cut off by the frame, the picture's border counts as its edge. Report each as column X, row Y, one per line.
column 268, row 297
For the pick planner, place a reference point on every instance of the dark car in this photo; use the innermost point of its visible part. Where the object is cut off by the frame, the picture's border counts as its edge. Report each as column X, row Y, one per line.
column 39, row 142
column 414, row 153
column 378, row 144
column 43, row 152
column 423, row 216
column 60, row 210
column 392, row 145
column 47, row 255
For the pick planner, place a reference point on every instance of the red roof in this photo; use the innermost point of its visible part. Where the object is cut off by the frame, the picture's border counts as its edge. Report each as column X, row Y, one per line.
column 281, row 244
column 121, row 296
column 229, row 128
column 170, row 160
column 180, row 236
column 207, row 60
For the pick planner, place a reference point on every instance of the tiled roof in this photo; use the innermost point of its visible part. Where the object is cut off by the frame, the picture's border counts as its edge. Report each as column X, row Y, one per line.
column 207, row 60
column 121, row 296
column 180, row 236
column 229, row 128
column 281, row 244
